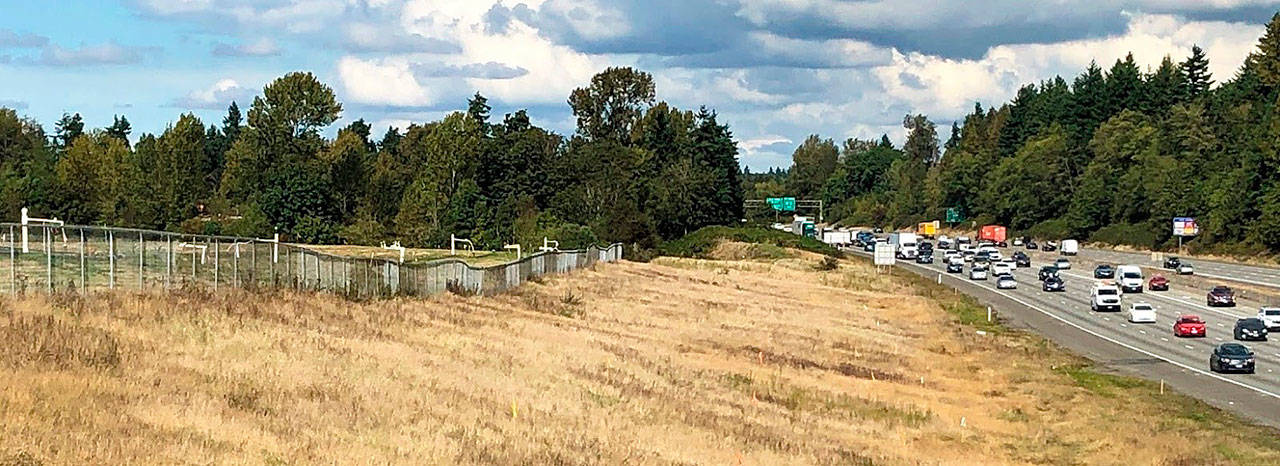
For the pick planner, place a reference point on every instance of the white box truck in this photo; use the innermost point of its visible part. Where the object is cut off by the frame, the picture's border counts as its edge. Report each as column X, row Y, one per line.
column 1129, row 277
column 905, row 244
column 1070, row 247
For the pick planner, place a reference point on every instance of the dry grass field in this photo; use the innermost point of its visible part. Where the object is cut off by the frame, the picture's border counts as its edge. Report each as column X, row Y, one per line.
column 680, row 361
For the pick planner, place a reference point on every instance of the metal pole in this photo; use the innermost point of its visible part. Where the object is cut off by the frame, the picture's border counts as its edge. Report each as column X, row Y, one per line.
column 168, row 262
column 253, row 256
column 216, row 246
column 13, row 262
column 111, row 251
column 48, row 258
column 84, row 284
column 142, row 259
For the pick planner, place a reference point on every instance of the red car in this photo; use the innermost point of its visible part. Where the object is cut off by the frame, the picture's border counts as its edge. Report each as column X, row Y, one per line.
column 1189, row 326
column 1158, row 283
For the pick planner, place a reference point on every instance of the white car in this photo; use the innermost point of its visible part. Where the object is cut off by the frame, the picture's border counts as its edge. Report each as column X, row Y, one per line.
column 1186, row 269
column 978, row 273
column 1002, row 268
column 1142, row 313
column 1006, row 282
column 1270, row 316
column 1062, row 264
column 1017, row 241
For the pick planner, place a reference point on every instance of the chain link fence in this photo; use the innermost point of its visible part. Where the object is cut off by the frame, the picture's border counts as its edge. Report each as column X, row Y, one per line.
column 47, row 258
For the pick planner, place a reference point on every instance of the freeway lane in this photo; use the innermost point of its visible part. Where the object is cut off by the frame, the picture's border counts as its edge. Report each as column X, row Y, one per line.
column 1147, row 350
column 1251, row 274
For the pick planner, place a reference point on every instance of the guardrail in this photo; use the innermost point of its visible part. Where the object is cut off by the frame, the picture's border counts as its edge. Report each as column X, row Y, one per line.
column 87, row 258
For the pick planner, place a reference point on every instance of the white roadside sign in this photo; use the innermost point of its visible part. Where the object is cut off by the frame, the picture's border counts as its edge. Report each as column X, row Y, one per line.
column 884, row 254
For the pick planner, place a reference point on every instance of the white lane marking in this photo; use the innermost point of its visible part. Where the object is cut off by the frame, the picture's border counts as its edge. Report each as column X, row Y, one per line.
column 1188, row 346
column 1164, row 339
column 1220, row 325
column 1108, row 319
column 1132, row 347
column 1124, row 325
column 1217, row 338
column 1144, row 332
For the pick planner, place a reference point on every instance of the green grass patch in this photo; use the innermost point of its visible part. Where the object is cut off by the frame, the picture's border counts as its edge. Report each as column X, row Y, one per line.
column 699, row 243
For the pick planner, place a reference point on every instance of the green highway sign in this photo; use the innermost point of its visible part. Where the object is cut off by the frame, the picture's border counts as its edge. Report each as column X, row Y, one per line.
column 782, row 204
column 954, row 216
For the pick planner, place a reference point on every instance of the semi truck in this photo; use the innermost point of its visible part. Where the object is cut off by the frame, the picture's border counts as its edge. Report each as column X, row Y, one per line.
column 992, row 233
column 927, row 229
column 905, row 245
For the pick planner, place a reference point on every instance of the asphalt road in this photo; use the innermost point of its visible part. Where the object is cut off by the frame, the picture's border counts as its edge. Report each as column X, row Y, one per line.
column 1249, row 274
column 1146, row 350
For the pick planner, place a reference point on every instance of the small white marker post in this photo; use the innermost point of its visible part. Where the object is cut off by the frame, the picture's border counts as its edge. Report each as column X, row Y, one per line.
column 939, row 279
column 988, row 313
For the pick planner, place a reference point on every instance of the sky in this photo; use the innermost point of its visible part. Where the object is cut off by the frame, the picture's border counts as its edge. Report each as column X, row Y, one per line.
column 774, row 70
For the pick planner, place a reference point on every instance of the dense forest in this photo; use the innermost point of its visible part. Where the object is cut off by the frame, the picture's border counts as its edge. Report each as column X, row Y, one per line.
column 1112, row 155
column 636, row 171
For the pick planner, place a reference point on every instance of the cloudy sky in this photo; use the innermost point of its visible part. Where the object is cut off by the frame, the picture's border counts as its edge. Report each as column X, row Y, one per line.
column 775, row 70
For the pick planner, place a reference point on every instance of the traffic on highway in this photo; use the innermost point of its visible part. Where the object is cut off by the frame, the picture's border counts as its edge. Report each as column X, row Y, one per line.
column 1169, row 310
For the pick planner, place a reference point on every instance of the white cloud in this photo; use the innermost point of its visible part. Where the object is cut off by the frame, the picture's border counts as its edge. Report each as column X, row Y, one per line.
column 383, row 82
column 215, row 97
column 263, row 47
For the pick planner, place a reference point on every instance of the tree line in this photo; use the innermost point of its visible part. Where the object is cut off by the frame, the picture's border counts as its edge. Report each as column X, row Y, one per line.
column 636, row 171
column 1110, row 156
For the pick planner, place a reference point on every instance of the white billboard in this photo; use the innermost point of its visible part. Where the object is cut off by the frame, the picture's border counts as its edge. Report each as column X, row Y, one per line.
column 885, row 254
column 1185, row 226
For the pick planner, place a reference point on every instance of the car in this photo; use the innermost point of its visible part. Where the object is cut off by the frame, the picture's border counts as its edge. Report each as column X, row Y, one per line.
column 878, row 230
column 1019, row 241
column 1002, row 268
column 869, row 247
column 1158, row 283
column 1032, row 245
column 1104, row 271
column 1270, row 316
column 925, row 246
column 969, row 255
column 978, row 272
column 1221, row 295
column 1172, row 263
column 1129, row 277
column 1048, row 271
column 1104, row 297
column 1142, row 313
column 1062, row 264
column 1006, row 282
column 1251, row 328
column 1021, row 259
column 1189, row 326
column 944, row 243
column 924, row 259
column 982, row 256
column 953, row 267
column 1186, row 269
column 1049, row 246
column 1053, row 283
column 1002, row 244
column 1232, row 357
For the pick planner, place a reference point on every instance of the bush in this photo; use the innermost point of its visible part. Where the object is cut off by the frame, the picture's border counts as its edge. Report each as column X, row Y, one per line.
column 701, row 242
column 1050, row 230
column 1142, row 235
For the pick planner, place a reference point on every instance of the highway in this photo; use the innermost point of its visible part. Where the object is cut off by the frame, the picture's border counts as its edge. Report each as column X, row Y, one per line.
column 1243, row 273
column 1146, row 350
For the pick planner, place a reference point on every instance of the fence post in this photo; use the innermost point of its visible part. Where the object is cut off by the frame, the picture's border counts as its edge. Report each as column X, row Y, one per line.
column 142, row 260
column 303, row 277
column 253, row 256
column 111, row 267
column 235, row 264
column 48, row 258
column 84, row 284
column 13, row 262
column 216, row 247
column 168, row 262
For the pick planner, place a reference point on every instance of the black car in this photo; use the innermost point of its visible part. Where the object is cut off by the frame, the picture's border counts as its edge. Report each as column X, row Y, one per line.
column 1048, row 271
column 1104, row 271
column 1251, row 328
column 1049, row 247
column 1031, row 245
column 1221, row 296
column 1053, row 283
column 1002, row 244
column 1172, row 263
column 924, row 259
column 879, row 230
column 1021, row 259
column 953, row 267
column 1231, row 357
column 925, row 247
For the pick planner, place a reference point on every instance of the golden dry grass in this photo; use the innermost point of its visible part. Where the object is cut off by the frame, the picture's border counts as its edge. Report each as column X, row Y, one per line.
column 674, row 362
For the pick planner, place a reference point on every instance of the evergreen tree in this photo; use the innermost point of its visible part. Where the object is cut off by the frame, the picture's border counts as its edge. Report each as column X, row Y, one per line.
column 66, row 130
column 1196, row 71
column 120, row 128
column 1264, row 62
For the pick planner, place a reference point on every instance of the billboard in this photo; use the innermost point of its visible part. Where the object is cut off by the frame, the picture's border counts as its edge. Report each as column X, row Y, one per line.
column 885, row 254
column 1185, row 226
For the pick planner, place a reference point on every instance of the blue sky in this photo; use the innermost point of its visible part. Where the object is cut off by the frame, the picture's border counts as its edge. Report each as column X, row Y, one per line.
column 775, row 70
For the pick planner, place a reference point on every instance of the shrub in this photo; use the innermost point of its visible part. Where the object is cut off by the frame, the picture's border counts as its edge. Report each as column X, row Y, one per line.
column 701, row 242
column 1142, row 235
column 1050, row 230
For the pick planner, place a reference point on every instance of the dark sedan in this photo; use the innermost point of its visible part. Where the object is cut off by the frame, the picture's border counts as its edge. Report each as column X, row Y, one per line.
column 1032, row 245
column 1053, row 284
column 1251, row 328
column 1021, row 259
column 1232, row 357
column 1048, row 271
column 1221, row 296
column 1104, row 271
column 955, row 267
